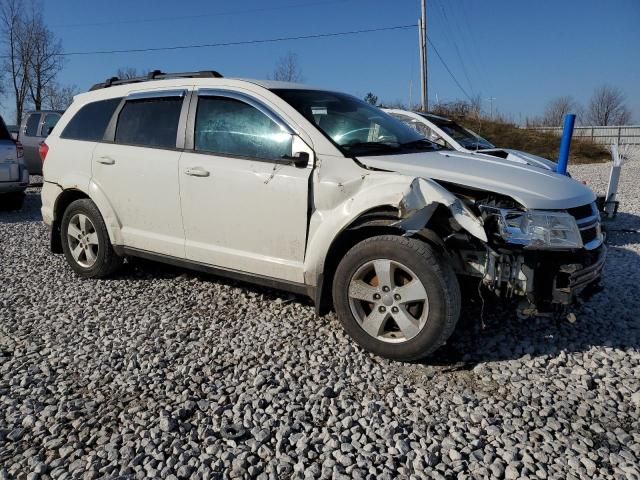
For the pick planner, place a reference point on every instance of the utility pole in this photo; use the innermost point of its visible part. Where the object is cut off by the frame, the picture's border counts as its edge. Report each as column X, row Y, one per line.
column 422, row 38
column 491, row 99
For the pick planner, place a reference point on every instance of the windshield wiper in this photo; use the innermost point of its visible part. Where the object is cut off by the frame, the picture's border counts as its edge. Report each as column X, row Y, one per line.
column 372, row 145
column 423, row 142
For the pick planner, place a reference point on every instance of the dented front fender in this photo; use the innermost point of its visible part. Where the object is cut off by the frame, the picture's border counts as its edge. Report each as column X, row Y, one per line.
column 342, row 195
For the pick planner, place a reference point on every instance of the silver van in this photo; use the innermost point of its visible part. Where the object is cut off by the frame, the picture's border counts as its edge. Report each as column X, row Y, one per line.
column 36, row 126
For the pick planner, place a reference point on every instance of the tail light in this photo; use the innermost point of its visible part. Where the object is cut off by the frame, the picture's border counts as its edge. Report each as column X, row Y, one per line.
column 19, row 149
column 43, row 149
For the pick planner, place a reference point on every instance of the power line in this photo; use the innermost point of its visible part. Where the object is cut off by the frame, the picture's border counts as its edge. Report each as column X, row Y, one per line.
column 451, row 33
column 448, row 70
column 239, row 42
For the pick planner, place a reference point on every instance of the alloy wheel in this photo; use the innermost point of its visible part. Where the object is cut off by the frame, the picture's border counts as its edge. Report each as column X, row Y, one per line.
column 388, row 300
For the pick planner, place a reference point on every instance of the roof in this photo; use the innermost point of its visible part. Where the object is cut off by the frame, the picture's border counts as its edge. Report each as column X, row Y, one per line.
column 275, row 84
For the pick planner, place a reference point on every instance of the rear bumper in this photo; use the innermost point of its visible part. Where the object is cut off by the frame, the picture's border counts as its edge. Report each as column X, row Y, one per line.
column 49, row 194
column 17, row 186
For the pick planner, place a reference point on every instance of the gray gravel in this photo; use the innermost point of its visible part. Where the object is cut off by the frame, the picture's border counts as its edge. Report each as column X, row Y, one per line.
column 164, row 373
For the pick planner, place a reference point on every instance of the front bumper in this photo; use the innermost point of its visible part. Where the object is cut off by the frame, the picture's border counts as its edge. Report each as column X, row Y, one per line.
column 561, row 278
column 575, row 278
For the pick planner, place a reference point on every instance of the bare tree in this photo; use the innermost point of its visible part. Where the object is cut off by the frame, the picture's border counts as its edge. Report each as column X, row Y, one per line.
column 125, row 73
column 58, row 97
column 288, row 69
column 557, row 109
column 45, row 61
column 17, row 48
column 607, row 107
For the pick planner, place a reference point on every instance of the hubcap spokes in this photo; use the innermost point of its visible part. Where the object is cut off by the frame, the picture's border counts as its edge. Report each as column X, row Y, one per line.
column 388, row 300
column 83, row 240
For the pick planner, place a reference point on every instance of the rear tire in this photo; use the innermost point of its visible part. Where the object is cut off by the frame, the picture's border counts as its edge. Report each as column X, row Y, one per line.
column 396, row 297
column 85, row 241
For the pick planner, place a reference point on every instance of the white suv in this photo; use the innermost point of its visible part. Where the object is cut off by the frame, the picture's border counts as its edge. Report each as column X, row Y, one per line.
column 315, row 192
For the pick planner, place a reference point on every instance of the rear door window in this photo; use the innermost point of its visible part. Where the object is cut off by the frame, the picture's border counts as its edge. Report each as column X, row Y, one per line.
column 32, row 125
column 90, row 122
column 149, row 122
column 50, row 120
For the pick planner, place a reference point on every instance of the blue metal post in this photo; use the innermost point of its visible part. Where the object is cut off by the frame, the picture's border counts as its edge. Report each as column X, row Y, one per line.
column 565, row 143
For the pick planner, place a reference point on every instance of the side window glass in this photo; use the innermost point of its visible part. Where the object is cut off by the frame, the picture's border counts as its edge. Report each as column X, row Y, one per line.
column 151, row 122
column 32, row 125
column 231, row 127
column 90, row 122
column 50, row 120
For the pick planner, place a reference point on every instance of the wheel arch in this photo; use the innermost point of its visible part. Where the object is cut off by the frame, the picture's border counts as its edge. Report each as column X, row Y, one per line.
column 380, row 220
column 95, row 194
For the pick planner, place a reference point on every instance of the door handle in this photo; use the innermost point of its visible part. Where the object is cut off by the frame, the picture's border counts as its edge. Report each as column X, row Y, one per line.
column 106, row 160
column 196, row 172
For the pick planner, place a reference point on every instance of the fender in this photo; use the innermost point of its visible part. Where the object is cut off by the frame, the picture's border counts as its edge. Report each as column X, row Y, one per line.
column 111, row 220
column 87, row 186
column 340, row 203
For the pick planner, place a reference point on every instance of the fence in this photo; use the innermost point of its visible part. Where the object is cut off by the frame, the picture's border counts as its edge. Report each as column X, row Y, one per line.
column 624, row 135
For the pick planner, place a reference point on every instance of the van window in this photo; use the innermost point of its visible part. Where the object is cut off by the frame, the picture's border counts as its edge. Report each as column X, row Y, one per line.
column 32, row 125
column 231, row 127
column 151, row 122
column 90, row 122
column 50, row 120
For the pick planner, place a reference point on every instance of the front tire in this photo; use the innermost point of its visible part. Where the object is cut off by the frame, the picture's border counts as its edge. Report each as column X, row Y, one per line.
column 85, row 241
column 396, row 297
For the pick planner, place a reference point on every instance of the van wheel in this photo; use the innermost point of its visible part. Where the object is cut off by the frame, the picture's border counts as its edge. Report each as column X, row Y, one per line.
column 396, row 297
column 85, row 241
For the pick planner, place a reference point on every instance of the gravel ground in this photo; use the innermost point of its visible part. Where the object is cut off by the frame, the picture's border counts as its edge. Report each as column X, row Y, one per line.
column 164, row 373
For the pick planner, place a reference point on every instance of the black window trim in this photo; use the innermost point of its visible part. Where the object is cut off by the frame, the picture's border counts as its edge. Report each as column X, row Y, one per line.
column 186, row 94
column 189, row 145
column 62, row 137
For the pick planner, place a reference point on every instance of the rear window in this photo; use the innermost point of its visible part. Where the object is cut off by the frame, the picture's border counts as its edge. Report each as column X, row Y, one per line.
column 50, row 120
column 149, row 122
column 32, row 125
column 90, row 122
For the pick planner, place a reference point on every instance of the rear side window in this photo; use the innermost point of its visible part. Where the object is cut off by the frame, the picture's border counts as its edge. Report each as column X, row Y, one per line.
column 32, row 125
column 50, row 120
column 150, row 122
column 230, row 127
column 91, row 121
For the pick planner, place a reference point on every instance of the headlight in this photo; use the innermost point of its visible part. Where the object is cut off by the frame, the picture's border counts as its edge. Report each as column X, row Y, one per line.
column 537, row 228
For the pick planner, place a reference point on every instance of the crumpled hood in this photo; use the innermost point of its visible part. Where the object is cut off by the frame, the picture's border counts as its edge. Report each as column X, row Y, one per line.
column 522, row 157
column 533, row 187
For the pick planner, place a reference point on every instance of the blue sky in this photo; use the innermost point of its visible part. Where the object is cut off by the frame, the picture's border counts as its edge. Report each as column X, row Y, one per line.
column 519, row 53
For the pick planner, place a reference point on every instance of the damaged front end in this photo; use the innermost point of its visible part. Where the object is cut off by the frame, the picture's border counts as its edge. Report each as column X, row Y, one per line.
column 549, row 258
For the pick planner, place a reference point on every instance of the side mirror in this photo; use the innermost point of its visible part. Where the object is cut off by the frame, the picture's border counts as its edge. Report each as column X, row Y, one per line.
column 299, row 159
column 440, row 141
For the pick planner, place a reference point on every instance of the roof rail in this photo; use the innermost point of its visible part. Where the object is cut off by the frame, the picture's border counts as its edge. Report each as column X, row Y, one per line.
column 154, row 75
